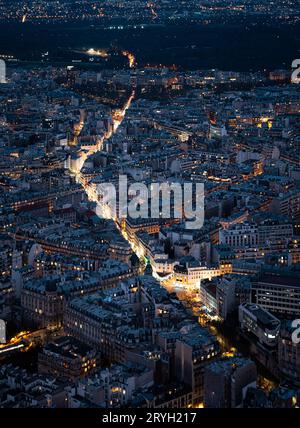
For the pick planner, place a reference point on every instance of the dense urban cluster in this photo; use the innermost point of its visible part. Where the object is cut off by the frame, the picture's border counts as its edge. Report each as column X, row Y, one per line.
column 139, row 12
column 103, row 311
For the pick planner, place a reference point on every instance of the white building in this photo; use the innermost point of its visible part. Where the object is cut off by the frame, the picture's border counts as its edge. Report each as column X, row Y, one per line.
column 260, row 323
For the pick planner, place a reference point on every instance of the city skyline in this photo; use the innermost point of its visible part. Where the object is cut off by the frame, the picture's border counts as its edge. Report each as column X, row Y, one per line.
column 149, row 206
